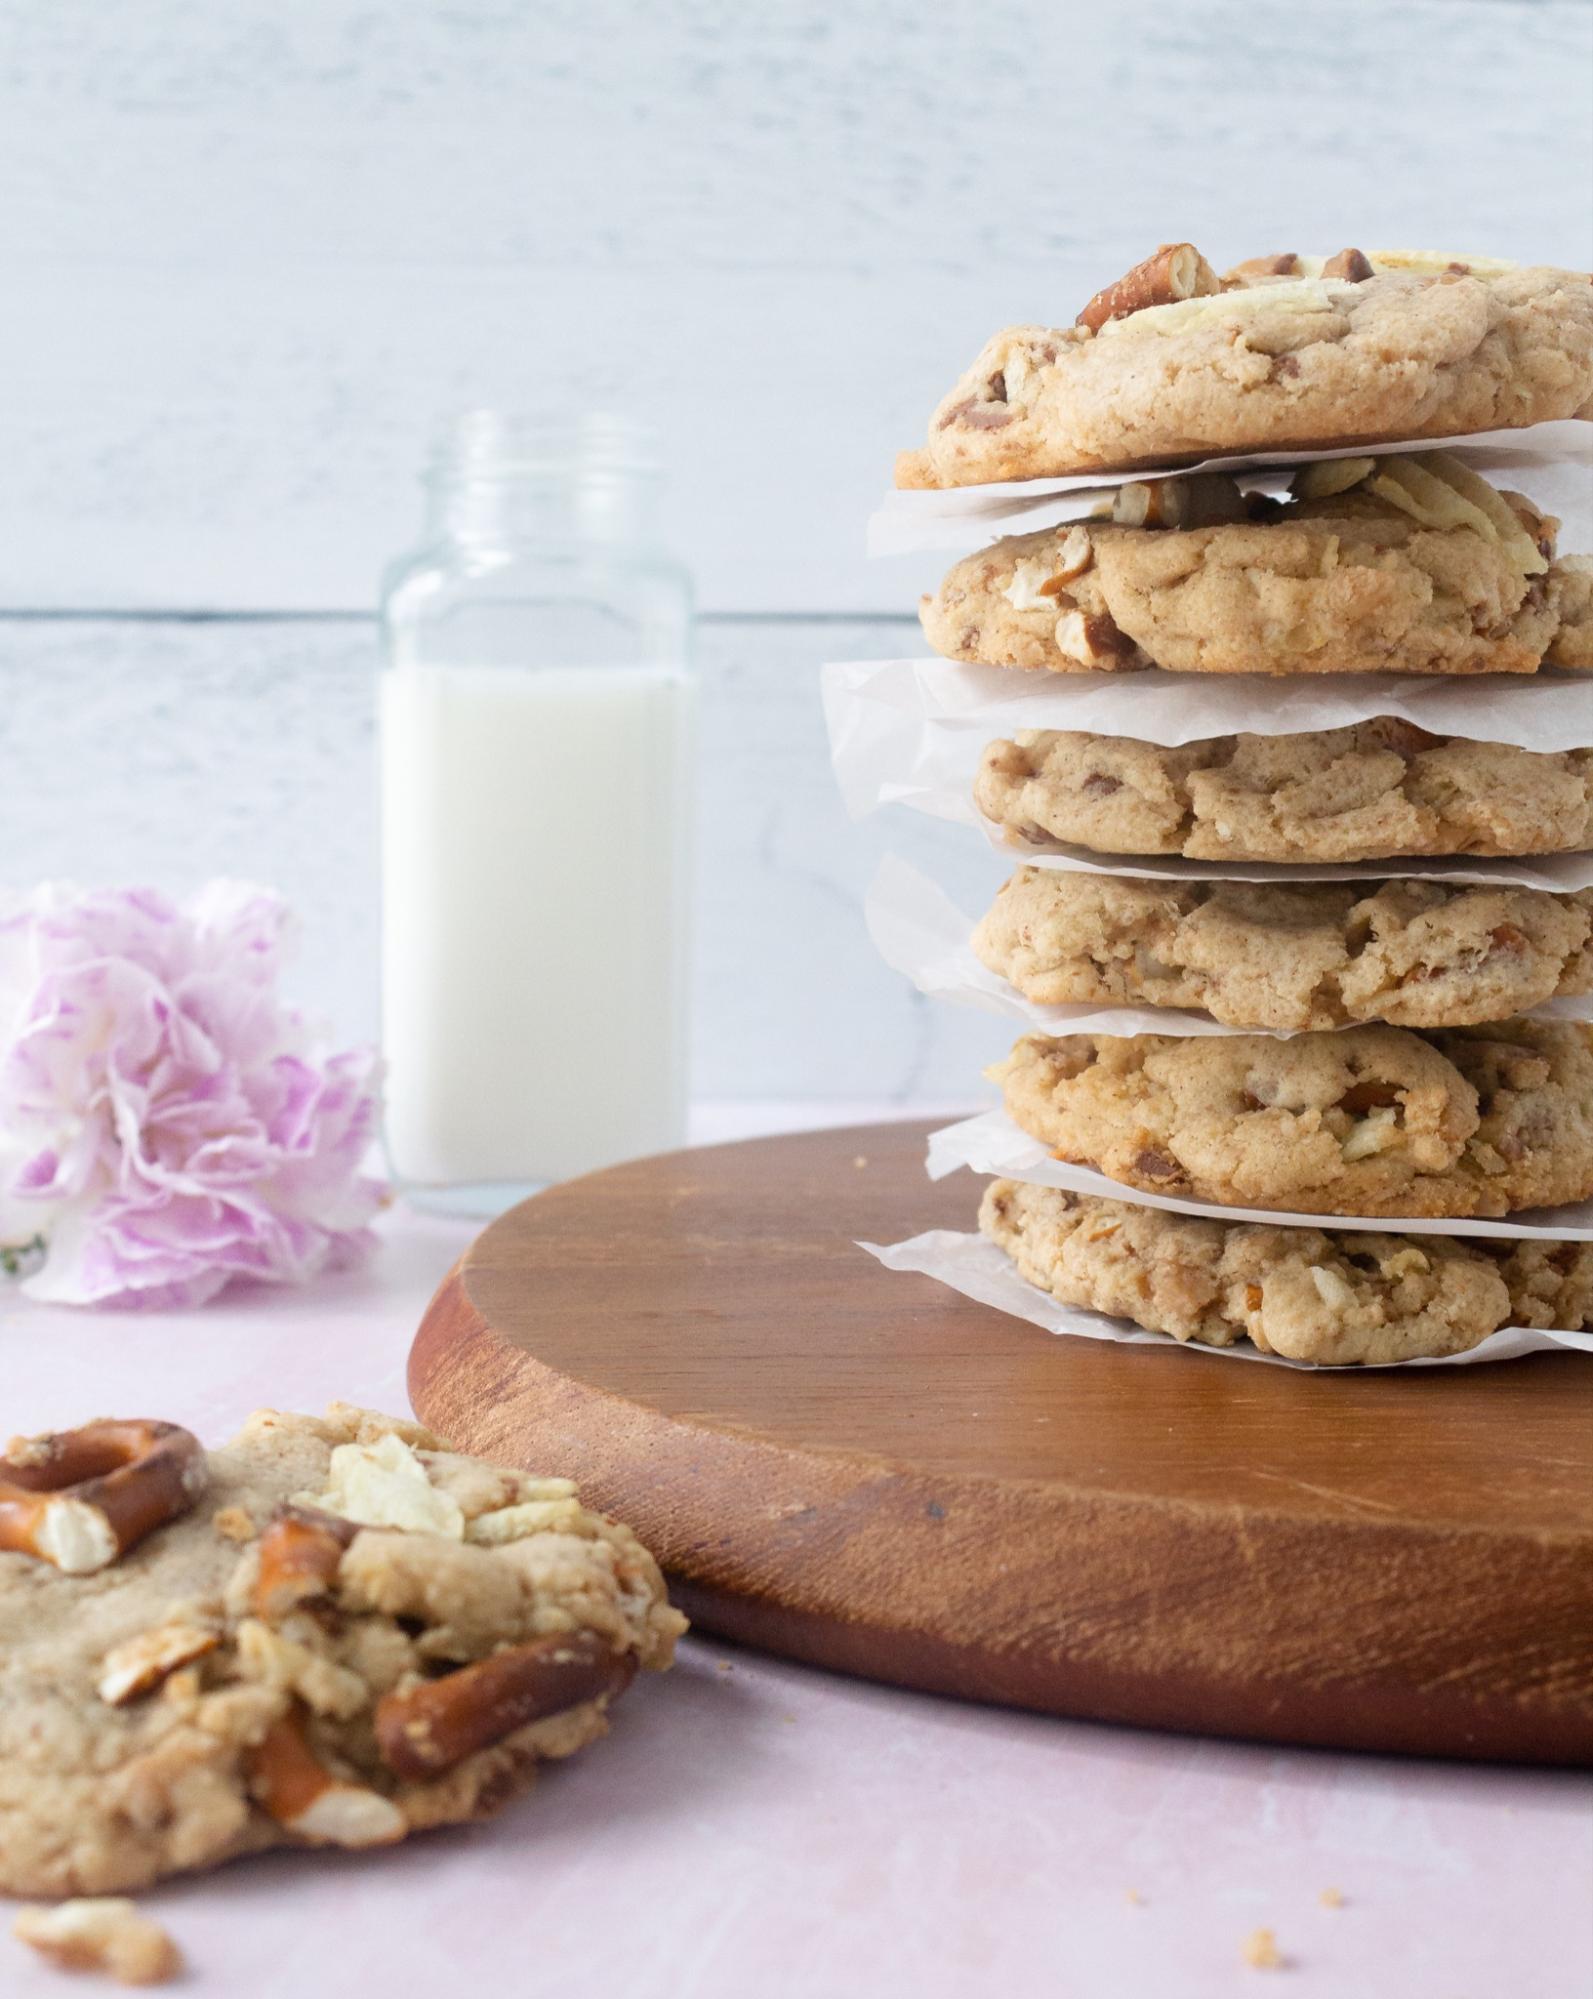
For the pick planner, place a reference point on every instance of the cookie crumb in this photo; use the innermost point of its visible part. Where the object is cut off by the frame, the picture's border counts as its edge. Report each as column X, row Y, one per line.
column 100, row 1933
column 861, row 1160
column 1134, row 1898
column 725, row 1666
column 232, row 1523
column 1331, row 1898
column 1260, row 1951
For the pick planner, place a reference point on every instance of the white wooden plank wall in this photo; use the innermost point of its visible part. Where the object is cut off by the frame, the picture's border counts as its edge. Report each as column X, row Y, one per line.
column 169, row 750
column 252, row 252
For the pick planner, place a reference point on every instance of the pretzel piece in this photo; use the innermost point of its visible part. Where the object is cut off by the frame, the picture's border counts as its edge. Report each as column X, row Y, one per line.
column 1203, row 499
column 294, row 1787
column 140, row 1664
column 81, row 1498
column 100, row 1933
column 299, row 1554
column 426, row 1729
column 1176, row 271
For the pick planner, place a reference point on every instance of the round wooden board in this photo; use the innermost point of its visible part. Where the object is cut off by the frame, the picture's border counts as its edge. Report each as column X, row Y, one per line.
column 861, row 1469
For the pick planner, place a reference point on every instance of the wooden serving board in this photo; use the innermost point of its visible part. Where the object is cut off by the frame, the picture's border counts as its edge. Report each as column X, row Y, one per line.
column 861, row 1469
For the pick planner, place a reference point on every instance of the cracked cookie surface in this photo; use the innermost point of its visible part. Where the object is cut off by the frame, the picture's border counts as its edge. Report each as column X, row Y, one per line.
column 1332, row 1299
column 1289, row 957
column 1369, row 792
column 1309, row 364
column 1377, row 1121
column 353, row 1634
column 1345, row 585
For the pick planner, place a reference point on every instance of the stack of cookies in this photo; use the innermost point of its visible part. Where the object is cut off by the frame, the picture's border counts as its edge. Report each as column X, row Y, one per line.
column 1388, row 980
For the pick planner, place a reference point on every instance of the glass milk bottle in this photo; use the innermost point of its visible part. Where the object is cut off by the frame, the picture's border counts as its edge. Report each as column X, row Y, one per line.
column 536, row 774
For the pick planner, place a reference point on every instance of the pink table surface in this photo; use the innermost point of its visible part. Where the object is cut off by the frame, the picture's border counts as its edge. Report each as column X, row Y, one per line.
column 753, row 1828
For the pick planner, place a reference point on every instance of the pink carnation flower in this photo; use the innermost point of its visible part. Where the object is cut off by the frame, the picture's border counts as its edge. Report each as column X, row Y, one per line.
column 165, row 1123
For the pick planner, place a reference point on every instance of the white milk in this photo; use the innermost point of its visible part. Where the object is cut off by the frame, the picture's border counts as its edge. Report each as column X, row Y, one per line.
column 535, row 850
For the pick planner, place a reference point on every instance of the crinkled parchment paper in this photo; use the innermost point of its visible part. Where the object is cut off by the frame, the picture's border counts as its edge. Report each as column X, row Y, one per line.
column 991, row 1143
column 980, row 1270
column 1551, row 463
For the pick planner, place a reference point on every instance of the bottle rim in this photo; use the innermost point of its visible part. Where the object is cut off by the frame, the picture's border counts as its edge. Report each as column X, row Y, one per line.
column 489, row 443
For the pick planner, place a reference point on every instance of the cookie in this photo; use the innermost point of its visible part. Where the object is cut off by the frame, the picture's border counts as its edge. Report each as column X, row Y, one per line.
column 1174, row 364
column 1363, row 1121
column 331, row 1632
column 1334, row 1300
column 1550, row 1284
column 1369, row 792
column 1293, row 956
column 1418, row 567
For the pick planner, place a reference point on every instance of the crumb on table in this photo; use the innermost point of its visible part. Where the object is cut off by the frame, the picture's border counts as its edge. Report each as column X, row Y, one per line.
column 100, row 1933
column 1260, row 1951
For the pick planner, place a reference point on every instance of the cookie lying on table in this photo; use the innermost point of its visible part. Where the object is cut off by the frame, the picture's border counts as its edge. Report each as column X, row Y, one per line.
column 1287, row 956
column 1382, row 565
column 1369, row 792
column 1361, row 1121
column 1174, row 363
column 331, row 1632
column 1337, row 1300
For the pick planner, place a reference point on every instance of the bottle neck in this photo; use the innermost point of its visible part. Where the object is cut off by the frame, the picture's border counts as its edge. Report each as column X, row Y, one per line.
column 544, row 510
column 504, row 480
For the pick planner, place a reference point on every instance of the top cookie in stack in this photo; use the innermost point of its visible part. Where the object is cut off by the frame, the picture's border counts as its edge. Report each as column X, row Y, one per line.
column 1173, row 364
column 1402, row 561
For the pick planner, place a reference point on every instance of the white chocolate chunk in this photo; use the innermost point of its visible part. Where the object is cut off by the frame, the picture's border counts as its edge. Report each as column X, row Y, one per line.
column 1253, row 301
column 385, row 1485
column 1331, row 1289
column 1324, row 478
column 1433, row 263
column 1371, row 1135
column 533, row 1516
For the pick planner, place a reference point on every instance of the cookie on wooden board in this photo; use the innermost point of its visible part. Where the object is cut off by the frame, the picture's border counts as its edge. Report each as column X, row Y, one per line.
column 1335, row 1300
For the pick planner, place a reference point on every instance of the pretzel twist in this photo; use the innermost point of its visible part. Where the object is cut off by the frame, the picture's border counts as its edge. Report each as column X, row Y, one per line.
column 80, row 1499
column 424, row 1730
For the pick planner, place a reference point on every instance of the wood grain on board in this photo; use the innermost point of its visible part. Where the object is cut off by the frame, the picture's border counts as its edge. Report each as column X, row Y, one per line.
column 863, row 1470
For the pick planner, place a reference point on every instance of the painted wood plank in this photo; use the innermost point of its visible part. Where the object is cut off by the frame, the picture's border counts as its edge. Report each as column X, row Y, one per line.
column 165, row 751
column 252, row 253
